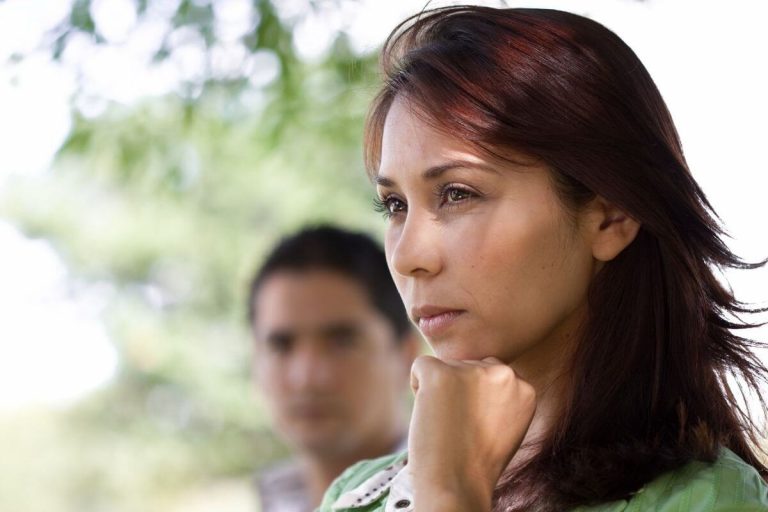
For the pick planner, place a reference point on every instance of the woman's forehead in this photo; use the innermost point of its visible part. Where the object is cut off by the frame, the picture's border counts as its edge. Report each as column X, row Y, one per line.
column 408, row 137
column 410, row 140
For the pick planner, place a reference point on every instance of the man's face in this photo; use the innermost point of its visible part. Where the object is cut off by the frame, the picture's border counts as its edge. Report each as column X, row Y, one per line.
column 327, row 362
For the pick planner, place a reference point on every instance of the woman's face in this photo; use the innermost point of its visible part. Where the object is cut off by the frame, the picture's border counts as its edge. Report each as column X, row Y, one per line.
column 486, row 259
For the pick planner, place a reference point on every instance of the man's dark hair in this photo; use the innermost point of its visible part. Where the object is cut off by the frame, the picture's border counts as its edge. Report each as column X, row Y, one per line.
column 351, row 254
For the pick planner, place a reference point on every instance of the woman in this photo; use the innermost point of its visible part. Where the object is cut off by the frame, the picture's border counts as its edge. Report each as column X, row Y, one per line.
column 550, row 243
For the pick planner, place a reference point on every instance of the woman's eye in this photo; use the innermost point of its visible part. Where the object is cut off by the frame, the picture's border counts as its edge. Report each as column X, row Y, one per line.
column 394, row 205
column 389, row 206
column 455, row 195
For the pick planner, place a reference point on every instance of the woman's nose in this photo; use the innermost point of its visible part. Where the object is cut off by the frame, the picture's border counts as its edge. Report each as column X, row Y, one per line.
column 415, row 247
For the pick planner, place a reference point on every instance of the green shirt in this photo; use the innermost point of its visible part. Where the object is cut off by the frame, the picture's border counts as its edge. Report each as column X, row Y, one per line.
column 727, row 485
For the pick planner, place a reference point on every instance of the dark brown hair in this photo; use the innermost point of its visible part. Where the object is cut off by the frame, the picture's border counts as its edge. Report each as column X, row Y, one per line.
column 648, row 389
column 349, row 253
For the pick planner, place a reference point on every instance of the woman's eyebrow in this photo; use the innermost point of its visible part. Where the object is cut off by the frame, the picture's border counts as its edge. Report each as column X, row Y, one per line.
column 436, row 171
column 383, row 181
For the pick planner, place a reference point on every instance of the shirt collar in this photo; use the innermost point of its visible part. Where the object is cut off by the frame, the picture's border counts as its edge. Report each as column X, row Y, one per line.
column 394, row 479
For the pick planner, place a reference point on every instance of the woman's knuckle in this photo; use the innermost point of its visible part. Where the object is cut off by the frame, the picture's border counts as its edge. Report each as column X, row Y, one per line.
column 526, row 392
column 499, row 374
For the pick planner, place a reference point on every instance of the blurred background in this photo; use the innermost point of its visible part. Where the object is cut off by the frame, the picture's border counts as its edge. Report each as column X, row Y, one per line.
column 152, row 150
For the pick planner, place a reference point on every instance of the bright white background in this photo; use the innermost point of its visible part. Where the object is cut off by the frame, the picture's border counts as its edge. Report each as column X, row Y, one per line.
column 707, row 57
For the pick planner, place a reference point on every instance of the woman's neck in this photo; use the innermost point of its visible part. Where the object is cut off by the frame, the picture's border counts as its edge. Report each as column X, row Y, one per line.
column 546, row 368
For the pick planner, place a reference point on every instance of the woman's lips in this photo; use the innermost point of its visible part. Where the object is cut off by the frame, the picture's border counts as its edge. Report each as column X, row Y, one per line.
column 436, row 324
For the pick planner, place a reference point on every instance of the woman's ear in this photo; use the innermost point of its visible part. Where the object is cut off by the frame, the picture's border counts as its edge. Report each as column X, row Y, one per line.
column 611, row 230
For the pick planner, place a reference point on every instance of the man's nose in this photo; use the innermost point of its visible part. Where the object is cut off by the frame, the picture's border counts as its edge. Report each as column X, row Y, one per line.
column 415, row 248
column 309, row 368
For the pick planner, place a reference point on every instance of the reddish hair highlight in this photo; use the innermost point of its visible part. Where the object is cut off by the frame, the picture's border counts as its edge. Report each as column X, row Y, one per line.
column 648, row 388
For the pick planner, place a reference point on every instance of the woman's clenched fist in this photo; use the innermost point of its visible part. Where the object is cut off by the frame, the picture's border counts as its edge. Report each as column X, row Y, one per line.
column 469, row 419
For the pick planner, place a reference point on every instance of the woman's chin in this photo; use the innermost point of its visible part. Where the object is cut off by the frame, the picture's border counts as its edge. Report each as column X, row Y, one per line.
column 457, row 349
column 447, row 351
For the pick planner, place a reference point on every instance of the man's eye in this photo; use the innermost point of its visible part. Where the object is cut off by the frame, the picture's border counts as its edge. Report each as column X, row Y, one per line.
column 342, row 337
column 344, row 340
column 280, row 345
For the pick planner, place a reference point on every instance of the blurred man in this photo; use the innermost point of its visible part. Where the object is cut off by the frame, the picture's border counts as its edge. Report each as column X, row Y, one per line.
column 333, row 351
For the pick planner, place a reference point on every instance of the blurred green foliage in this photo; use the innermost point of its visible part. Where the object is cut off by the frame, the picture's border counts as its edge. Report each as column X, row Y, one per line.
column 167, row 206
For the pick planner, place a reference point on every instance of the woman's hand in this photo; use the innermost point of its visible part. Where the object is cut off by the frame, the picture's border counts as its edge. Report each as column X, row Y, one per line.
column 469, row 419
